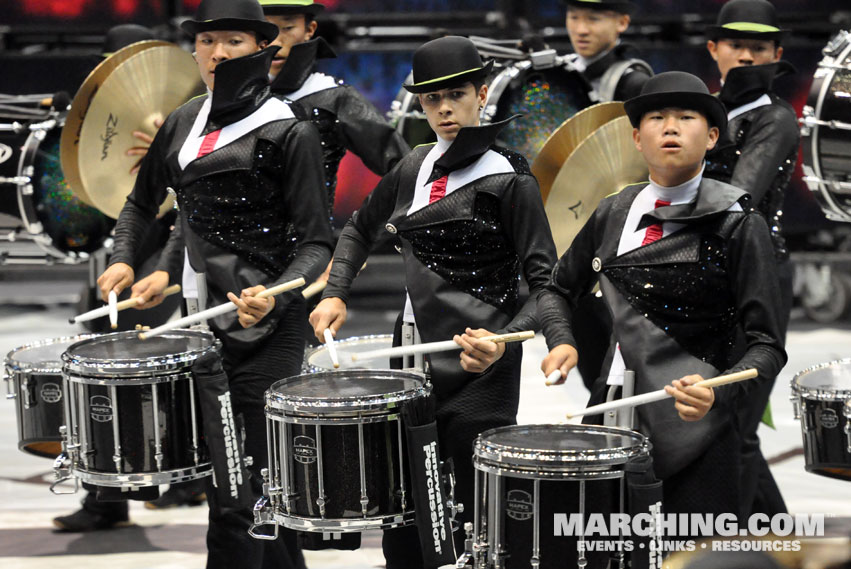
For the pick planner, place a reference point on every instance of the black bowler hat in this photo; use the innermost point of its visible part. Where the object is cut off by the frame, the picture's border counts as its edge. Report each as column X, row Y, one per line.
column 747, row 19
column 286, row 7
column 123, row 35
column 446, row 62
column 622, row 7
column 678, row 90
column 235, row 15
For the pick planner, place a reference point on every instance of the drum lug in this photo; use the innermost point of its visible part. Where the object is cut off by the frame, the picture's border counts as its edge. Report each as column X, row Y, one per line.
column 805, row 425
column 796, row 410
column 62, row 471
column 320, row 501
column 28, row 398
column 847, row 429
column 10, row 387
column 467, row 556
column 263, row 516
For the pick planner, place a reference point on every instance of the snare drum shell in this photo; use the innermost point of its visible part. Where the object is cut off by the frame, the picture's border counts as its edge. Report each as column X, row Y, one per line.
column 40, row 412
column 825, row 430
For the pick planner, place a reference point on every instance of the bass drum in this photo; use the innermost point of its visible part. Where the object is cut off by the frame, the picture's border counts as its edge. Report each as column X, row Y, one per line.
column 61, row 225
column 545, row 98
column 826, row 130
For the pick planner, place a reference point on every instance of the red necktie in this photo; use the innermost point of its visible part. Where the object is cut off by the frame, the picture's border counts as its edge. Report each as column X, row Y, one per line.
column 438, row 189
column 654, row 232
column 209, row 143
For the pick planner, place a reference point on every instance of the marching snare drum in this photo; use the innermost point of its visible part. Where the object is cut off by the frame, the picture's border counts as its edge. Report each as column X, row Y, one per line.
column 337, row 456
column 318, row 359
column 132, row 416
column 826, row 130
column 821, row 396
column 34, row 381
column 545, row 97
column 527, row 474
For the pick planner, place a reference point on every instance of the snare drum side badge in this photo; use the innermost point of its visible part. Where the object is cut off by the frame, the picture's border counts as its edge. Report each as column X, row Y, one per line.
column 828, row 419
column 51, row 393
column 304, row 449
column 100, row 408
column 518, row 505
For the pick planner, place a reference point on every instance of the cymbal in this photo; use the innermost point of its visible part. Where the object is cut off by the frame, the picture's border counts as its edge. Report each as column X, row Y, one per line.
column 567, row 137
column 602, row 164
column 146, row 87
column 70, row 138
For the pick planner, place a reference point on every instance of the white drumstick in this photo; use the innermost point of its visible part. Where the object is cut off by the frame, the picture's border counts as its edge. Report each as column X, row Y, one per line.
column 113, row 309
column 661, row 394
column 554, row 377
column 123, row 305
column 217, row 310
column 433, row 347
column 332, row 351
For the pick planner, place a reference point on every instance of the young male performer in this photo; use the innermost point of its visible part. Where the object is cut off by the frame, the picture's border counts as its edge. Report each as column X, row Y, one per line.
column 757, row 153
column 244, row 169
column 610, row 67
column 690, row 280
column 469, row 220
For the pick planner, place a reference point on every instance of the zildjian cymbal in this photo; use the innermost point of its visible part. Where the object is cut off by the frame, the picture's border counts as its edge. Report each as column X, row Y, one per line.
column 70, row 138
column 567, row 137
column 601, row 165
column 139, row 91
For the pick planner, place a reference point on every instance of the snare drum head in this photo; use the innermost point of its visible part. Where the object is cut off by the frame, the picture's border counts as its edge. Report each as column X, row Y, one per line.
column 42, row 357
column 344, row 391
column 319, row 359
column 523, row 446
column 545, row 97
column 832, row 377
column 72, row 225
column 124, row 351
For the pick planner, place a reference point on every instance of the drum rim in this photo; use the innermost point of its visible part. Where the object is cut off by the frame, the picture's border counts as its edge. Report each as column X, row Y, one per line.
column 331, row 405
column 13, row 365
column 343, row 342
column 802, row 391
column 504, row 456
column 100, row 367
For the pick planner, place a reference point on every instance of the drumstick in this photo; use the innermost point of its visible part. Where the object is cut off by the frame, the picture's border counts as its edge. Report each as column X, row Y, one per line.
column 432, row 347
column 661, row 394
column 123, row 305
column 332, row 351
column 112, row 299
column 553, row 377
column 217, row 310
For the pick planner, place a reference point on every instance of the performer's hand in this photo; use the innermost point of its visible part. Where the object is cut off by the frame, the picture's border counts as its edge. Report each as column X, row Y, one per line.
column 148, row 292
column 329, row 313
column 116, row 277
column 142, row 150
column 478, row 355
column 692, row 403
column 564, row 358
column 251, row 309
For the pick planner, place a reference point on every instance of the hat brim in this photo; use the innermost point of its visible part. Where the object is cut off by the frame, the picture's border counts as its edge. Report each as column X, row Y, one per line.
column 265, row 30
column 450, row 80
column 715, row 33
column 311, row 9
column 708, row 105
column 619, row 7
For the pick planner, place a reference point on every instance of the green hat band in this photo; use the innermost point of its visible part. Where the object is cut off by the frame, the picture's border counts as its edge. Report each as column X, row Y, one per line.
column 445, row 77
column 750, row 27
column 279, row 3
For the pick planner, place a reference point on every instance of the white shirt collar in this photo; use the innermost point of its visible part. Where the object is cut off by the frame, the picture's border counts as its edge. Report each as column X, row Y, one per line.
column 682, row 193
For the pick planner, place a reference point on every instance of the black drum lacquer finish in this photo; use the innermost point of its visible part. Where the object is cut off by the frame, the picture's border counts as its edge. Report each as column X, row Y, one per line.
column 826, row 432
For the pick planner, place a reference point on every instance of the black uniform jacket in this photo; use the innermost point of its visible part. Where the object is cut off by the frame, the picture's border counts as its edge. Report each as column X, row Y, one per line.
column 760, row 148
column 236, row 202
column 628, row 82
column 701, row 300
column 345, row 119
column 463, row 254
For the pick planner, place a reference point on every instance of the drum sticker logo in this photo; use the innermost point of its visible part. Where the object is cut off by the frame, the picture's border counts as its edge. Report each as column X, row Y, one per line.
column 518, row 505
column 435, row 498
column 110, row 133
column 5, row 152
column 100, row 408
column 51, row 393
column 305, row 449
column 231, row 445
column 828, row 419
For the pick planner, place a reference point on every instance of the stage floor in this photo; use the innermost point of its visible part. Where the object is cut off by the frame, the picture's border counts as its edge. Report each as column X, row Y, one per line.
column 175, row 538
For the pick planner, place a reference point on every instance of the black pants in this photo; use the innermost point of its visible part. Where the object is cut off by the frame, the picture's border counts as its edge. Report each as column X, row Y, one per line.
column 280, row 355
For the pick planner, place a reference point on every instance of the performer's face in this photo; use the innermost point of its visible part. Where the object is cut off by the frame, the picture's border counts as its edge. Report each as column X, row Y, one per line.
column 594, row 31
column 292, row 29
column 674, row 142
column 450, row 110
column 214, row 47
column 730, row 53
